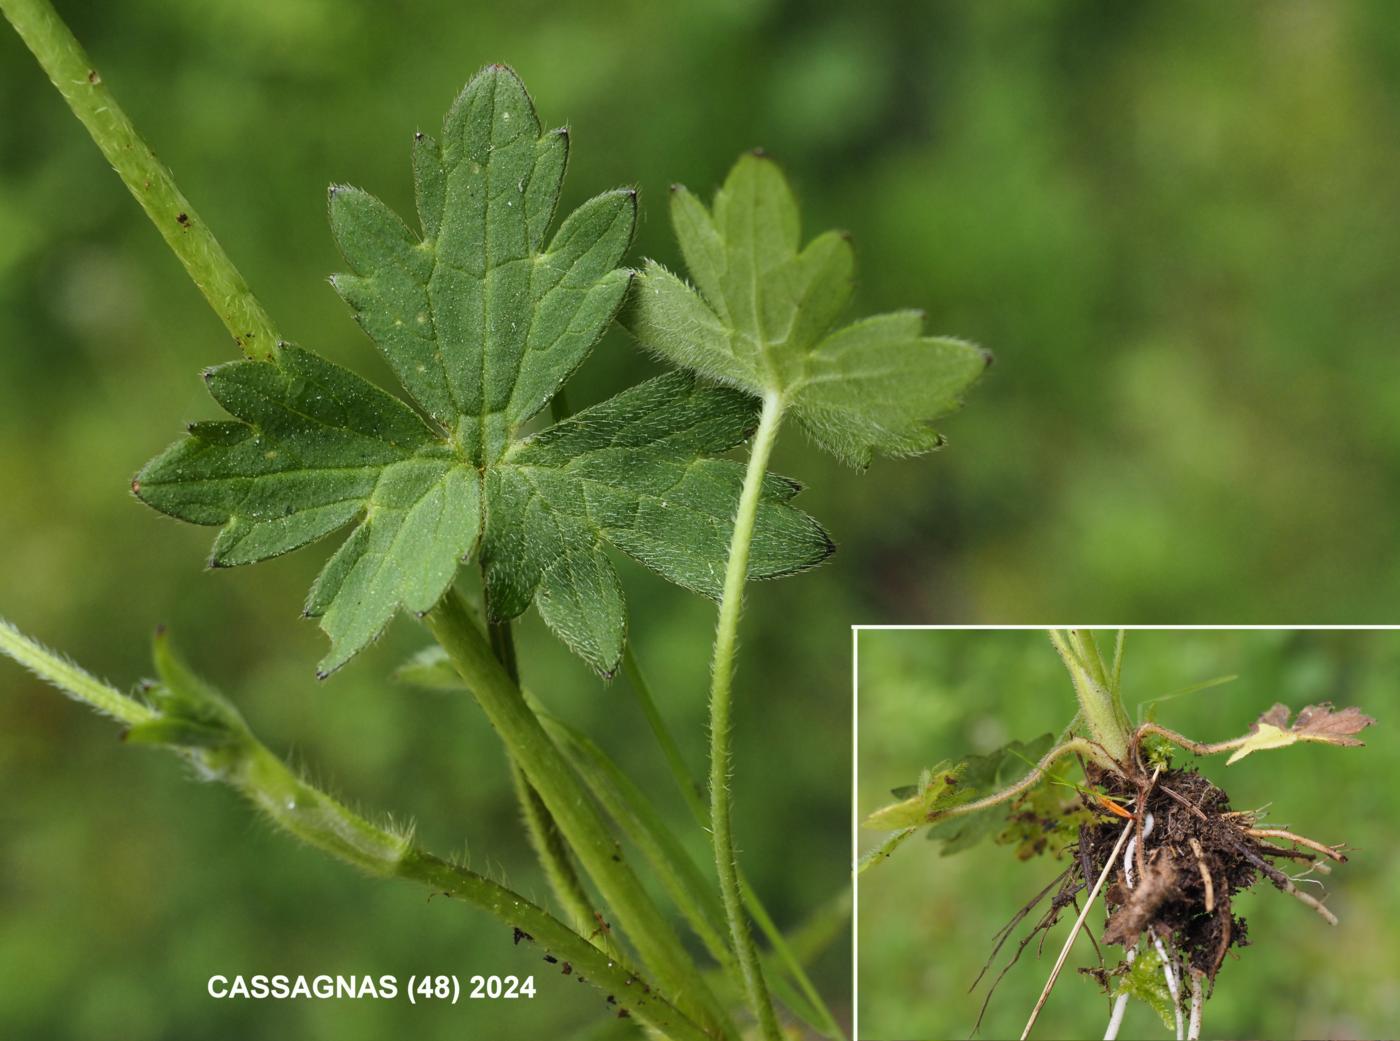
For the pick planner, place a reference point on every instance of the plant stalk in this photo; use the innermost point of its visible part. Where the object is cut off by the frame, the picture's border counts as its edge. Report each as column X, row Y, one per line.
column 583, row 828
column 308, row 813
column 721, row 690
column 146, row 177
column 691, row 793
column 1097, row 702
column 540, row 827
column 1196, row 747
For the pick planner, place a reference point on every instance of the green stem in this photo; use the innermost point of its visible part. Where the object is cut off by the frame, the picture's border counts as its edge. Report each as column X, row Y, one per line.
column 1105, row 720
column 540, row 827
column 1088, row 749
column 308, row 813
column 552, row 852
column 72, row 72
column 721, row 690
column 583, row 828
column 1197, row 747
column 690, row 792
column 71, row 679
column 685, row 780
column 885, row 850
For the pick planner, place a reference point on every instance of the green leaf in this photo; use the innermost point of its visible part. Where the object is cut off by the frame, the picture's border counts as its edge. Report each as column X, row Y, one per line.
column 1144, row 980
column 317, row 448
column 762, row 317
column 638, row 472
column 940, row 788
column 983, row 775
column 482, row 316
column 1029, row 821
column 192, row 716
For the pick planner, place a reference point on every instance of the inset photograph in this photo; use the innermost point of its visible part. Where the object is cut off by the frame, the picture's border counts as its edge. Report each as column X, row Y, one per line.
column 1143, row 833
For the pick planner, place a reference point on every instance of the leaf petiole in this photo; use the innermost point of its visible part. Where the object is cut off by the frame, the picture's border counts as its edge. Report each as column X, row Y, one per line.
column 721, row 691
column 691, row 793
column 550, row 774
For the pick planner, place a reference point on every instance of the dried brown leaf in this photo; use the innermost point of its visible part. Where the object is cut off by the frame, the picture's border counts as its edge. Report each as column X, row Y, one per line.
column 1319, row 723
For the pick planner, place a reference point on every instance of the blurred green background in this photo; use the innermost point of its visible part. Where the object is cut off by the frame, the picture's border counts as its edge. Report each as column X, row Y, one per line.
column 926, row 922
column 1175, row 223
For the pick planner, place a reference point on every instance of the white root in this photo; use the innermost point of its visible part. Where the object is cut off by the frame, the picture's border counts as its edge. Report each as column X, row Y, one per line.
column 1171, row 983
column 1120, row 1005
column 1198, row 998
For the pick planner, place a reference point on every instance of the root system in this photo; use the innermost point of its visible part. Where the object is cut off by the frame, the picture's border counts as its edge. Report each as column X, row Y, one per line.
column 1177, row 877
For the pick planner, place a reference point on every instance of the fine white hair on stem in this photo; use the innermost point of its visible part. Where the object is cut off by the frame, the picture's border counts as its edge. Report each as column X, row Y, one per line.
column 1078, row 924
column 1197, row 999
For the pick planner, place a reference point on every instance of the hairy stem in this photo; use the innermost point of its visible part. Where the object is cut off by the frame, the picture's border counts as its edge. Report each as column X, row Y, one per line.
column 1097, row 702
column 145, row 176
column 690, row 791
column 1185, row 742
column 540, row 826
column 569, row 802
column 1084, row 747
column 71, row 679
column 306, row 812
column 721, row 689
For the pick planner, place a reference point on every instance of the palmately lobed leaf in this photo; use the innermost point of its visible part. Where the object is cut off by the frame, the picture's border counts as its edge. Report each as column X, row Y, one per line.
column 638, row 472
column 482, row 322
column 317, row 448
column 762, row 318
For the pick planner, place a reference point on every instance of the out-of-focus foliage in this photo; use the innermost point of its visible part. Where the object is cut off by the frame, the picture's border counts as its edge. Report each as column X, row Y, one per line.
column 927, row 922
column 1176, row 225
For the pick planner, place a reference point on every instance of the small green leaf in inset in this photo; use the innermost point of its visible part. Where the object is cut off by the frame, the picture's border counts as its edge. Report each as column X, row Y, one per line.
column 1146, row 982
column 949, row 785
column 762, row 317
column 984, row 775
column 940, row 788
column 482, row 316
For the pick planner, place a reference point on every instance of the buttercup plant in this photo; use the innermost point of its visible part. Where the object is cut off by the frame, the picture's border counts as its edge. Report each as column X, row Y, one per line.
column 483, row 315
column 1185, row 854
